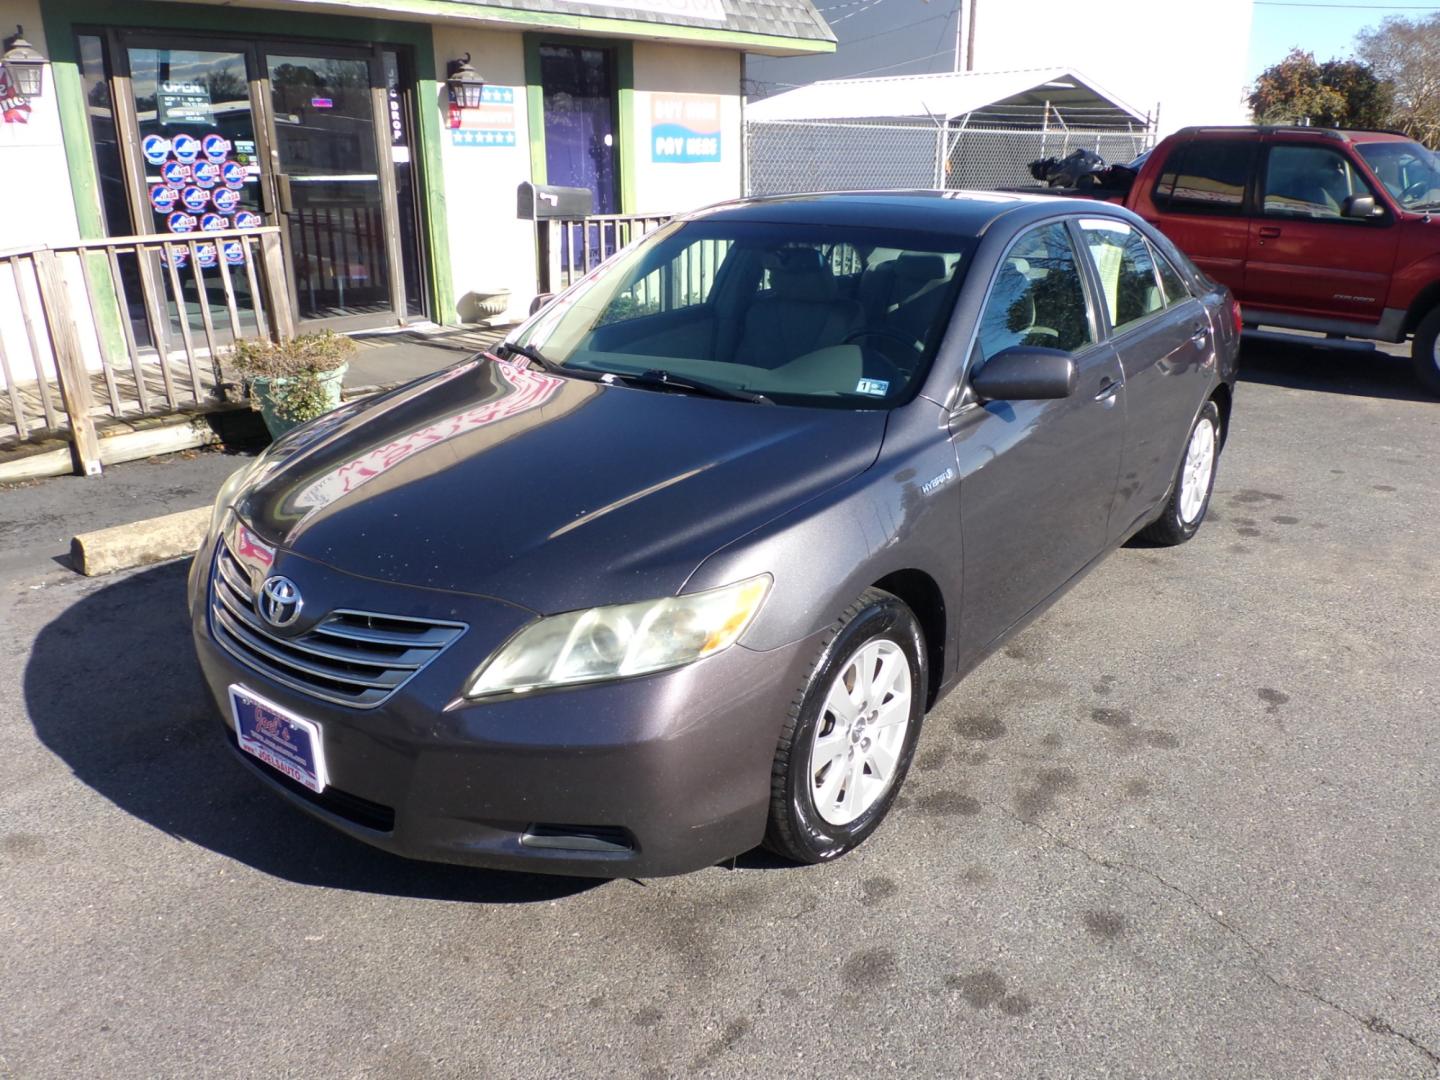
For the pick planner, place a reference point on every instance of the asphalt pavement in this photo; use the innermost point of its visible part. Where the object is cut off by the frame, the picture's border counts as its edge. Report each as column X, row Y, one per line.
column 1187, row 824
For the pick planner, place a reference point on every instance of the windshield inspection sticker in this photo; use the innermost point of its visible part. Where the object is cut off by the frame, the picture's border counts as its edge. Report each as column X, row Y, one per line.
column 872, row 387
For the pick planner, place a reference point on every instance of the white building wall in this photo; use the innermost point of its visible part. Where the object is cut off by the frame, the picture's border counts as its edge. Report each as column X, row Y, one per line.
column 694, row 81
column 1191, row 61
column 490, row 248
column 34, row 175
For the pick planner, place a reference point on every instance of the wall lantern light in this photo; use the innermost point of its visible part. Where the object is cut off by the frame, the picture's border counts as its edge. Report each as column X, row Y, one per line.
column 467, row 86
column 25, row 63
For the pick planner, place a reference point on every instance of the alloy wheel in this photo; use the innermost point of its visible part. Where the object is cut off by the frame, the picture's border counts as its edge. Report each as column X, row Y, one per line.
column 860, row 732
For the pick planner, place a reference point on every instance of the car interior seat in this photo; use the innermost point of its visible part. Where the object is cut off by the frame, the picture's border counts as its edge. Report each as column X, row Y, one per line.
column 802, row 311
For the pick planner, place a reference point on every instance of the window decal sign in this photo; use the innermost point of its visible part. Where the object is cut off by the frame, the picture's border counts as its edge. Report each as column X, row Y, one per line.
column 182, row 222
column 186, row 148
column 175, row 174
column 206, row 256
column 248, row 219
column 234, row 174
column 492, row 124
column 207, row 174
column 156, row 149
column 215, row 147
column 684, row 128
column 194, row 199
column 162, row 198
column 234, row 252
column 214, row 223
column 225, row 200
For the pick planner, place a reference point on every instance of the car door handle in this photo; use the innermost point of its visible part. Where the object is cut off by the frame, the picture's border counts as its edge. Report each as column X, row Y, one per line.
column 1199, row 335
column 1269, row 231
column 1108, row 389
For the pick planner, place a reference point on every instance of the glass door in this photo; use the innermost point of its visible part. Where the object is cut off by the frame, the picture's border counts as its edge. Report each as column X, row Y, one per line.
column 335, row 196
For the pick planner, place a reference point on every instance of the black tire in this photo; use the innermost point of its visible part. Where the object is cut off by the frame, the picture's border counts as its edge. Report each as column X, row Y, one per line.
column 796, row 830
column 1423, row 355
column 1171, row 527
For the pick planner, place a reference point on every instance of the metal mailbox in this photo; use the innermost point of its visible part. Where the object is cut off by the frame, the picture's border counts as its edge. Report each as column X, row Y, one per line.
column 537, row 202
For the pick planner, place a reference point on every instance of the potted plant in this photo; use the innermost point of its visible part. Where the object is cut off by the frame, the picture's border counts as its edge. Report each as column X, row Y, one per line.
column 293, row 381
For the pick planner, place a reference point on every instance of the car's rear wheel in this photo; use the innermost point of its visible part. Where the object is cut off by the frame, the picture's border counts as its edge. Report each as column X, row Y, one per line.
column 1425, row 352
column 1190, row 493
column 850, row 734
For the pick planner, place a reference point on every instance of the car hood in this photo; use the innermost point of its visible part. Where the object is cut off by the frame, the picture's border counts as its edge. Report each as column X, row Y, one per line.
column 549, row 492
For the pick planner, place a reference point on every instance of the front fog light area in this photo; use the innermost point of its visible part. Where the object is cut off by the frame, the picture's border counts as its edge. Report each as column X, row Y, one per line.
column 621, row 640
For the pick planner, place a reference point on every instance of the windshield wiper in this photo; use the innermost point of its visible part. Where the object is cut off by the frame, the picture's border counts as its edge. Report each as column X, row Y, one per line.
column 663, row 380
column 530, row 352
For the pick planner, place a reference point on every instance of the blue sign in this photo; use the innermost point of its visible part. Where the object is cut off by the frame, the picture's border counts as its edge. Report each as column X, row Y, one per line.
column 207, row 174
column 248, row 219
column 194, row 199
column 156, row 149
column 216, row 147
column 206, row 256
column 181, row 222
column 233, row 173
column 482, row 138
column 175, row 174
column 225, row 200
column 162, row 198
column 214, row 223
column 186, row 148
column 234, row 252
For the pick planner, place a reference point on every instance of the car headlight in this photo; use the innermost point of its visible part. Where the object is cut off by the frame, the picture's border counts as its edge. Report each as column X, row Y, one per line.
column 228, row 490
column 621, row 640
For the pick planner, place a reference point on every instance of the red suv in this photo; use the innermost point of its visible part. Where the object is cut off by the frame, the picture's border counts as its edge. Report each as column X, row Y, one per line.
column 1312, row 229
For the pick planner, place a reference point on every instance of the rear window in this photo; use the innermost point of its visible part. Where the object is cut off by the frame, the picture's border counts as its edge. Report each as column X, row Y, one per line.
column 1206, row 176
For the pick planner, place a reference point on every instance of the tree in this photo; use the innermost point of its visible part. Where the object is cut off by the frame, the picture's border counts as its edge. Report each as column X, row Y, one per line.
column 1337, row 93
column 1406, row 53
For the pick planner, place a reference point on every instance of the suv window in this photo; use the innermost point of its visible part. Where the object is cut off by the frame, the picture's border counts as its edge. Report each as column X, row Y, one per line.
column 1126, row 268
column 1037, row 297
column 1310, row 182
column 1206, row 176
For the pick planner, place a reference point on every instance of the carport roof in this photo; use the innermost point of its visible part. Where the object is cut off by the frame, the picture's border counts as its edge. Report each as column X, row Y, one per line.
column 1020, row 97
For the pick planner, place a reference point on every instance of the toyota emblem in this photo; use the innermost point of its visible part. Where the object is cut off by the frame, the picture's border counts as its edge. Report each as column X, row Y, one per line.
column 279, row 602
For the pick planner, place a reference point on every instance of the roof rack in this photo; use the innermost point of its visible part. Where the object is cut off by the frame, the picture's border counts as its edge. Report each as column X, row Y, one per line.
column 1340, row 133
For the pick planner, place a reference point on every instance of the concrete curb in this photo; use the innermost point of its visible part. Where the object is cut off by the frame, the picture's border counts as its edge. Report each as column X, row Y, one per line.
column 124, row 547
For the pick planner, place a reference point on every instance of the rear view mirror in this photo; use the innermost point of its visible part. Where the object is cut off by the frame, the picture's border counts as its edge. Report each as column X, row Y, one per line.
column 1358, row 206
column 1025, row 373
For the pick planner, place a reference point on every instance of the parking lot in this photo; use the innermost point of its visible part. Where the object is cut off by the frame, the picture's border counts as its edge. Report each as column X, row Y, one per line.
column 1187, row 824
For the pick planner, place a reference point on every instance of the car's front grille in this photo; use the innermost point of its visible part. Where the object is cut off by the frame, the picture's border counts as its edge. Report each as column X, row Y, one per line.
column 355, row 658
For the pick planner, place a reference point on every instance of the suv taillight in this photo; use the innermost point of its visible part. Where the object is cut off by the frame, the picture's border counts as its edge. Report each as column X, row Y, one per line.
column 1235, row 314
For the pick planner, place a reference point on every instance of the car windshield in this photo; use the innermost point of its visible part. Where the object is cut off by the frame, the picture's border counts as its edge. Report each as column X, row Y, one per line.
column 835, row 316
column 1409, row 172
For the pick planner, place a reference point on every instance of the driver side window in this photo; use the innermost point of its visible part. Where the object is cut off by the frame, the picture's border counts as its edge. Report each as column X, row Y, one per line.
column 1037, row 297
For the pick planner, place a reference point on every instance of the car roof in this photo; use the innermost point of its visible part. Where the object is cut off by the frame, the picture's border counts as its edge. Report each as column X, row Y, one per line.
column 954, row 213
column 1296, row 131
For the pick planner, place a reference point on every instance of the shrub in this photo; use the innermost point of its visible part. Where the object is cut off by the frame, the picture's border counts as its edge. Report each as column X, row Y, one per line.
column 292, row 371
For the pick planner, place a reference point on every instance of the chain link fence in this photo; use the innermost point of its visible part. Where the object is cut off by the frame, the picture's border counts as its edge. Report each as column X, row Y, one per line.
column 785, row 156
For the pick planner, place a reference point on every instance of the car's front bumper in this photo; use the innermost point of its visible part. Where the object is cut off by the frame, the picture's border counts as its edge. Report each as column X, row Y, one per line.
column 671, row 772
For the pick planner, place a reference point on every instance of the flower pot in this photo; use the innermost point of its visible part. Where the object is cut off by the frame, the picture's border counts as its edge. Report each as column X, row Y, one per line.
column 264, row 390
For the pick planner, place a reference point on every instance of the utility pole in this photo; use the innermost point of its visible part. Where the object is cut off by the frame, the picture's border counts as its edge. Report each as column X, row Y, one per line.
column 965, row 34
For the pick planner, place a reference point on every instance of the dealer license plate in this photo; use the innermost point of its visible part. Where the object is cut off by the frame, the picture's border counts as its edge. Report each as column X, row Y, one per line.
column 288, row 743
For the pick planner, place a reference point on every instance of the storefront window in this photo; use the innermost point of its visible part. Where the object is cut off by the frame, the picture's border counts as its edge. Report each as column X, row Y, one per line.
column 103, row 137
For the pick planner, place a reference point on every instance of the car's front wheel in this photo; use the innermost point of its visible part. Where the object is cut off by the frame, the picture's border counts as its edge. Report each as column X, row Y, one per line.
column 1190, row 493
column 850, row 734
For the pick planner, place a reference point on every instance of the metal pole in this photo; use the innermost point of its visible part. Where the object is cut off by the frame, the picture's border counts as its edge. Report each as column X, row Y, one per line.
column 970, row 39
column 959, row 31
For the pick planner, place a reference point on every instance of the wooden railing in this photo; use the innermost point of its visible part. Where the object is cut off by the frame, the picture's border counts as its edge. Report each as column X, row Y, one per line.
column 129, row 327
column 571, row 247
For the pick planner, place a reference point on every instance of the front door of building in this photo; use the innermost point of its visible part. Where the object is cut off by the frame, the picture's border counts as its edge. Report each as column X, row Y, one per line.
column 240, row 134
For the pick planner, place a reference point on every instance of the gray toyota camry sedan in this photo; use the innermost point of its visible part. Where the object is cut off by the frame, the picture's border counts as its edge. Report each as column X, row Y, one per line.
column 681, row 568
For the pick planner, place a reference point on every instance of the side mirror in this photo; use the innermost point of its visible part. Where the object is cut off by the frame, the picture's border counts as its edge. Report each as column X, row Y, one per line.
column 1025, row 373
column 1358, row 206
column 540, row 301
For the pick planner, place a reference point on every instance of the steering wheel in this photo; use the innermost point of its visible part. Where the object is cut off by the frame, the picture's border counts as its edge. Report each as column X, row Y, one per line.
column 1415, row 190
